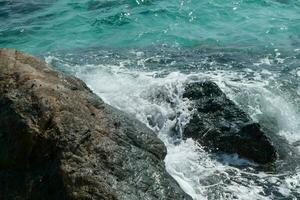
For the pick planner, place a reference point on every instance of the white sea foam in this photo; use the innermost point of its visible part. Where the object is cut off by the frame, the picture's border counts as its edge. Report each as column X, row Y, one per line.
column 298, row 72
column 200, row 174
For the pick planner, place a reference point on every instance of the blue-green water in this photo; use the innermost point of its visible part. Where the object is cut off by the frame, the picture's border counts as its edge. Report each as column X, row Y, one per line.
column 46, row 25
column 135, row 53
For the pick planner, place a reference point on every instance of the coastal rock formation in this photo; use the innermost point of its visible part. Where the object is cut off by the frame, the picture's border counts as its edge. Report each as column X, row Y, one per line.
column 220, row 125
column 58, row 140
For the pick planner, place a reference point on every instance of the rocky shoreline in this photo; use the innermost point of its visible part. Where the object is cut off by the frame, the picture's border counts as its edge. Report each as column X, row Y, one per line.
column 58, row 140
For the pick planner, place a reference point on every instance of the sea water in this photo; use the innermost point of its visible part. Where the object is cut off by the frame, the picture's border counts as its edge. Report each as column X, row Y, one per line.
column 138, row 54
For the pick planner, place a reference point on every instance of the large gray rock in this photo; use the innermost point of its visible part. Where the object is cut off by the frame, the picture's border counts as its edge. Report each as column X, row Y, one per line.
column 58, row 140
column 221, row 126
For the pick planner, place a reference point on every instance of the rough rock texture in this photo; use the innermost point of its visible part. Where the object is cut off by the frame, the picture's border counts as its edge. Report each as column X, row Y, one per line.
column 58, row 140
column 219, row 124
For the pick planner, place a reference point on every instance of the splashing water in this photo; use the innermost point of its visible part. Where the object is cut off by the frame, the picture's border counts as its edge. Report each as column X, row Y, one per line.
column 155, row 98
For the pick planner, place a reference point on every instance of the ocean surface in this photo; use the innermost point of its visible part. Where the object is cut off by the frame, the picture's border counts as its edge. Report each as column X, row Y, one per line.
column 136, row 53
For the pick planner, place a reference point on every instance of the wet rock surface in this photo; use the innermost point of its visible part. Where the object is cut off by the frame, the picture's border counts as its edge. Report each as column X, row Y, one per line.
column 221, row 126
column 58, row 140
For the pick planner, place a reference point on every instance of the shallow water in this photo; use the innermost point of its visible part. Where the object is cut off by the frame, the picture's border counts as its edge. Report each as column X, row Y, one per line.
column 137, row 54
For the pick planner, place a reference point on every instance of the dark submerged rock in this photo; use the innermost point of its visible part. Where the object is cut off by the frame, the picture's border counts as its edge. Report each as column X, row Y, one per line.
column 58, row 140
column 220, row 125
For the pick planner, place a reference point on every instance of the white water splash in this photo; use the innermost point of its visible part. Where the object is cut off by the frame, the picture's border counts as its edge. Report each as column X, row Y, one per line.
column 158, row 96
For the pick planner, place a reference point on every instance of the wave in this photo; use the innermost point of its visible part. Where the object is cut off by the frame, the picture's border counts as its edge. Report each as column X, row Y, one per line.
column 155, row 98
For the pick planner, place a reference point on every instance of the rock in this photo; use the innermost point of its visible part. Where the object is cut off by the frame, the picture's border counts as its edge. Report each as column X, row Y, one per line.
column 58, row 140
column 220, row 125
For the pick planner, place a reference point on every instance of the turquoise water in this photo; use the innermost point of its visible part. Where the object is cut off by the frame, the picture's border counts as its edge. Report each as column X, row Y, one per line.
column 40, row 26
column 135, row 53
